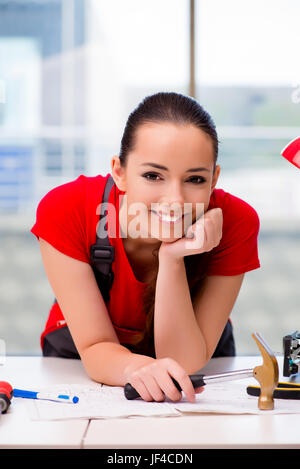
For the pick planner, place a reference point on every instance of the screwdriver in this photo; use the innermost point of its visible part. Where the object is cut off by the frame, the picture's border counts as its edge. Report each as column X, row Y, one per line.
column 6, row 393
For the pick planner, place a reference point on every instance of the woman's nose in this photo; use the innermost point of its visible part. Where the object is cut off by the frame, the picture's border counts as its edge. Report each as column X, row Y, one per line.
column 173, row 198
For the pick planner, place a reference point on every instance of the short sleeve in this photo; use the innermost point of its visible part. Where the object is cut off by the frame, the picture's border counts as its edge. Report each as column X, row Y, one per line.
column 237, row 251
column 60, row 219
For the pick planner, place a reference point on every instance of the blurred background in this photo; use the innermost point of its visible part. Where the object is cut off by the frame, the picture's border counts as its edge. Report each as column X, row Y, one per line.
column 71, row 71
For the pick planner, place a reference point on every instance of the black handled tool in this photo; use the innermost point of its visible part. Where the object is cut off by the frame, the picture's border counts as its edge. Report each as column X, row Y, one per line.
column 282, row 391
column 197, row 381
column 266, row 374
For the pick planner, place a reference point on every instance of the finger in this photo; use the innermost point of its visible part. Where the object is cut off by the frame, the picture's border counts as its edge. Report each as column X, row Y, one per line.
column 187, row 387
column 213, row 228
column 215, row 213
column 210, row 235
column 206, row 232
column 182, row 378
column 196, row 234
column 167, row 386
column 190, row 234
column 217, row 219
column 199, row 390
column 153, row 388
column 140, row 387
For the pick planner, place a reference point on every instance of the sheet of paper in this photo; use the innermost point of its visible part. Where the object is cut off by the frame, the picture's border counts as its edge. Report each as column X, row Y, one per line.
column 95, row 401
column 99, row 401
column 232, row 398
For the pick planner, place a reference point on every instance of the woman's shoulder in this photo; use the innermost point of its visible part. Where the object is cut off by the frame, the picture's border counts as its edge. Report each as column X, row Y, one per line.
column 66, row 216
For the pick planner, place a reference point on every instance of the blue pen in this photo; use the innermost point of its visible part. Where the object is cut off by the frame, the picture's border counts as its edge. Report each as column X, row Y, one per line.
column 46, row 396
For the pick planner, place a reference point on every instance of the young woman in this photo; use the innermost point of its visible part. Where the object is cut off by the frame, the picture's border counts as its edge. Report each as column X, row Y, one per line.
column 173, row 289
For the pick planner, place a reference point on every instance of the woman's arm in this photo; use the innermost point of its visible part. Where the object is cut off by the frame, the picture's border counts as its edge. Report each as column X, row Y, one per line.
column 104, row 358
column 185, row 333
column 76, row 290
column 176, row 332
column 214, row 305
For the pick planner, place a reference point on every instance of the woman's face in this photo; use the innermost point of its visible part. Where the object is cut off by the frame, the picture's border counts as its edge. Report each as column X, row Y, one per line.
column 169, row 173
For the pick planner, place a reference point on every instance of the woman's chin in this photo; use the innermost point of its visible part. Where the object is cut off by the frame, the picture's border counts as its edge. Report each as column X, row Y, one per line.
column 169, row 238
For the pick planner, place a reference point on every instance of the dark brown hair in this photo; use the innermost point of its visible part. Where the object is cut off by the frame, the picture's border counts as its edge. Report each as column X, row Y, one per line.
column 182, row 110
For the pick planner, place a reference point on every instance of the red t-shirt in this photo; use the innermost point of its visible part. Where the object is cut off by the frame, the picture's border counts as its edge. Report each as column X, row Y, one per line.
column 67, row 218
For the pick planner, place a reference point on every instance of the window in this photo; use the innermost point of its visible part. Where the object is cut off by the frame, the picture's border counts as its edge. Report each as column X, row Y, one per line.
column 248, row 77
column 70, row 73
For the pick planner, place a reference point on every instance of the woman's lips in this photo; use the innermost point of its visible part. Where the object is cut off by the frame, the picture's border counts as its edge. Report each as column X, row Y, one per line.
column 165, row 218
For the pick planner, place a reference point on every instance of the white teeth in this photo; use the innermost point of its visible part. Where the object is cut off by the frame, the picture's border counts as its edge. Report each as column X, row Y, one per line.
column 168, row 218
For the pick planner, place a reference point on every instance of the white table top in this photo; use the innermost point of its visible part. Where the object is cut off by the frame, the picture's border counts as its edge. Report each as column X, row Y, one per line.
column 16, row 428
column 200, row 430
column 192, row 431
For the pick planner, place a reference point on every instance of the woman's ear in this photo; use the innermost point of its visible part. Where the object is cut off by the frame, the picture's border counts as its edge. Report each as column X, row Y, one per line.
column 215, row 177
column 118, row 173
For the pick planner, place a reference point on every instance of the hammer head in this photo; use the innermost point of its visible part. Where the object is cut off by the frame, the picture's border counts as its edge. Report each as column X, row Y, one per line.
column 266, row 374
column 292, row 152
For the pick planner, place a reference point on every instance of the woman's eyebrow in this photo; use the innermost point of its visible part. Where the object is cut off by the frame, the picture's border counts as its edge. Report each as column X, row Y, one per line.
column 158, row 166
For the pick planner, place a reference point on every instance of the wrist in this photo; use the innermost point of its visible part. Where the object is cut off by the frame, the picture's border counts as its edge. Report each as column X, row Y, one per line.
column 166, row 257
column 136, row 361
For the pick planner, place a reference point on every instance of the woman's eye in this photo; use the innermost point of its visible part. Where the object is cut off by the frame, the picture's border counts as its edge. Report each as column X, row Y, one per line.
column 197, row 180
column 150, row 176
column 193, row 180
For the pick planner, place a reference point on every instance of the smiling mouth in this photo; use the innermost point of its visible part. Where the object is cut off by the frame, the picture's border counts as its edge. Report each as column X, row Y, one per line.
column 167, row 218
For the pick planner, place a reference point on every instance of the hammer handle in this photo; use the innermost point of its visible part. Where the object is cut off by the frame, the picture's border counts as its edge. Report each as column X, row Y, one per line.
column 198, row 381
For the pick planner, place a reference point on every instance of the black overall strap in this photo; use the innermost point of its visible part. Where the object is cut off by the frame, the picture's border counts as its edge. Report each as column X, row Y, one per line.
column 59, row 343
column 102, row 253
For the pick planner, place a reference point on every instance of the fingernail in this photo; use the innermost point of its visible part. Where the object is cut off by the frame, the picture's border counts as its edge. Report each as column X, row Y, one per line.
column 190, row 235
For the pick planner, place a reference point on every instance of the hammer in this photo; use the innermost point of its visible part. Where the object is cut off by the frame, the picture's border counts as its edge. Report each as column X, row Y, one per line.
column 266, row 375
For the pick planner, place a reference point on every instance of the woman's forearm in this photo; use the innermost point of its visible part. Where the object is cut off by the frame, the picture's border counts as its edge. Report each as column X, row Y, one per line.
column 110, row 363
column 176, row 331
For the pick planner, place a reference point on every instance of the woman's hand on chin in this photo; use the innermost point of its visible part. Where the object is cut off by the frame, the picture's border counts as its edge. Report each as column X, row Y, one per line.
column 204, row 235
